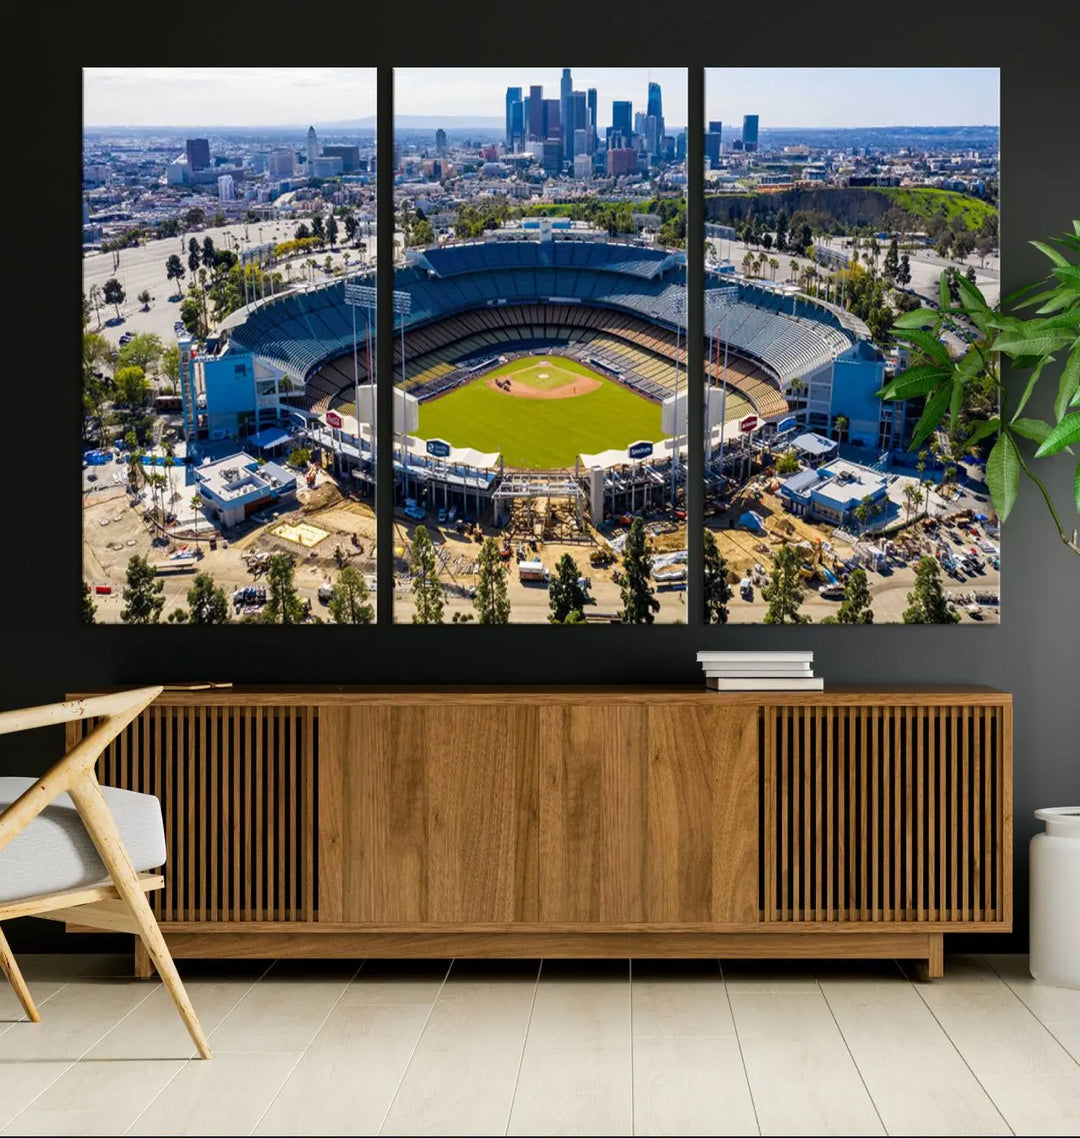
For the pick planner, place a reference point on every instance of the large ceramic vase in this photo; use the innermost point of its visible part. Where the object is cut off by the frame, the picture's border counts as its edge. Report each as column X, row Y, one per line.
column 1055, row 898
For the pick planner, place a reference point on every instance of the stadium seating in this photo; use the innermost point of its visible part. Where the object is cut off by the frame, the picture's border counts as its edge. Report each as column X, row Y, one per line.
column 473, row 299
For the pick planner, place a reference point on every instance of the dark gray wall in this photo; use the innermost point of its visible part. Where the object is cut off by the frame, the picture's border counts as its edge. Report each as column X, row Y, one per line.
column 1034, row 653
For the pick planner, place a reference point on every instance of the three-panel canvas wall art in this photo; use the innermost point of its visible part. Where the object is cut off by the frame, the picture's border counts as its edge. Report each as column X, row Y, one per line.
column 546, row 358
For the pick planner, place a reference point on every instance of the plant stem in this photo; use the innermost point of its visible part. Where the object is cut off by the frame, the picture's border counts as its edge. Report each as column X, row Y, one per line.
column 1072, row 543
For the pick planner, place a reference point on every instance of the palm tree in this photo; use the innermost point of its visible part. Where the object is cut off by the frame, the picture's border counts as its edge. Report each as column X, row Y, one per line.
column 840, row 425
column 196, row 505
column 748, row 264
column 774, row 264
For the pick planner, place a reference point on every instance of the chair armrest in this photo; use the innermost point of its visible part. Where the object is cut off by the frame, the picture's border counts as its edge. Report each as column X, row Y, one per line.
column 116, row 703
column 116, row 712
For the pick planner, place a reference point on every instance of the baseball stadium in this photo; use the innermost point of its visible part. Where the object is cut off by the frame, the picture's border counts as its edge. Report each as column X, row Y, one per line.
column 537, row 365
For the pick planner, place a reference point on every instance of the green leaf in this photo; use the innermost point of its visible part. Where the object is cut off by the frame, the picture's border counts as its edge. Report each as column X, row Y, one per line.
column 917, row 318
column 956, row 399
column 1003, row 474
column 933, row 413
column 915, row 381
column 1032, row 343
column 1068, row 274
column 1053, row 254
column 1030, row 387
column 943, row 289
column 1076, row 487
column 1064, row 434
column 1062, row 298
column 977, row 308
column 985, row 428
column 1069, row 385
column 1034, row 429
column 929, row 345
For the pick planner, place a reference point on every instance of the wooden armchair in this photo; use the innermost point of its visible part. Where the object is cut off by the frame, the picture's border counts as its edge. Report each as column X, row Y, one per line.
column 54, row 873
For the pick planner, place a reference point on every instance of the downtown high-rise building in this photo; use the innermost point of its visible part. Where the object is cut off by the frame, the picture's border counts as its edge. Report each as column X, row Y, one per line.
column 198, row 154
column 750, row 132
column 536, row 114
column 515, row 120
column 440, row 142
column 655, row 108
column 714, row 143
column 622, row 120
column 312, row 147
column 551, row 120
column 591, row 96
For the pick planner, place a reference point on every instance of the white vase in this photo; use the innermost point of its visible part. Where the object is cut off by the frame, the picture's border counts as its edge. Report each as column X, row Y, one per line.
column 1055, row 898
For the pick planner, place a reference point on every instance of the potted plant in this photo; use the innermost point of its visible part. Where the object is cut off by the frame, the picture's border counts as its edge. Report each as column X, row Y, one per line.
column 951, row 386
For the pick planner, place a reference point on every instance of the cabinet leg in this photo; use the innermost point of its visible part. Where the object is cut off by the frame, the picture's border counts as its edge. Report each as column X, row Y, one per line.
column 933, row 968
column 143, row 968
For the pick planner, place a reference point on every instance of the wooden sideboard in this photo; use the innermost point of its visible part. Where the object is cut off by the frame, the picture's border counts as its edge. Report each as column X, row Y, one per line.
column 589, row 821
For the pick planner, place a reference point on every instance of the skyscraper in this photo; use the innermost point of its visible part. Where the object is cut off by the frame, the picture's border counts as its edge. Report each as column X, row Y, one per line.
column 591, row 93
column 198, row 154
column 656, row 107
column 536, row 113
column 713, row 143
column 576, row 118
column 312, row 147
column 440, row 142
column 513, row 112
column 552, row 122
column 750, row 132
column 622, row 120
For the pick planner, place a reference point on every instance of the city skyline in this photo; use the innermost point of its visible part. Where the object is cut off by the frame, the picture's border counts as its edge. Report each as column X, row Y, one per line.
column 226, row 97
column 482, row 90
column 852, row 97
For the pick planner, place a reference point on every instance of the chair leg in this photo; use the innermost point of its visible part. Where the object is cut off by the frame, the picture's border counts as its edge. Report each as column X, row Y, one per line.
column 15, row 979
column 106, row 837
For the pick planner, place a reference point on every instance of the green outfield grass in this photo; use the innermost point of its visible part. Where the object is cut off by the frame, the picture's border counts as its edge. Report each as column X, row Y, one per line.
column 540, row 433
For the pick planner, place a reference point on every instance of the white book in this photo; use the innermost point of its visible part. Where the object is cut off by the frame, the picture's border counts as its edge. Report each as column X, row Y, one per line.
column 810, row 683
column 785, row 666
column 763, row 657
column 747, row 673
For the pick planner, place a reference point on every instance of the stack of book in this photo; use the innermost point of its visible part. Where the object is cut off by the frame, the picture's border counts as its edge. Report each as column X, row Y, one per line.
column 760, row 671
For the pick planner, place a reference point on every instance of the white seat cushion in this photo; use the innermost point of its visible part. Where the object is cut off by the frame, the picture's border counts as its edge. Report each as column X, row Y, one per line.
column 55, row 852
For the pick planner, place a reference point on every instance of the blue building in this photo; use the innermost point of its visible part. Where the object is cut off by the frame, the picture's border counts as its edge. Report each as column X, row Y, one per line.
column 848, row 387
column 235, row 487
column 832, row 493
column 240, row 395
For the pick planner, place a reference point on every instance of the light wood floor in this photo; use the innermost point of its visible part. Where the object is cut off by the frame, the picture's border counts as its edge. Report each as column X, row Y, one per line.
column 560, row 1048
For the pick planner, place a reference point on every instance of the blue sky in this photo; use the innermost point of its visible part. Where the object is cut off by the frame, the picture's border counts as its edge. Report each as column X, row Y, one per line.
column 226, row 96
column 854, row 96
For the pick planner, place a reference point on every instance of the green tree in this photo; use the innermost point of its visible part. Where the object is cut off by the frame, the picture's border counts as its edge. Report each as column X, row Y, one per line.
column 283, row 603
column 426, row 590
column 194, row 255
column 840, row 426
column 143, row 595
column 566, row 597
column 491, row 602
column 970, row 274
column 113, row 293
column 787, row 463
column 144, row 299
column 207, row 604
column 194, row 218
column 856, row 608
column 784, row 591
column 892, row 261
column 142, row 351
column 422, row 233
column 299, row 458
column 864, row 511
column 717, row 587
column 209, row 253
column 638, row 599
column 331, row 230
column 170, row 364
column 132, row 387
column 903, row 273
column 318, row 227
column 350, row 601
column 174, row 271
column 913, row 497
column 926, row 601
column 89, row 609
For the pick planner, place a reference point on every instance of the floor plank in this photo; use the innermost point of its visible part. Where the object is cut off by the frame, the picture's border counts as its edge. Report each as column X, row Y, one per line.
column 461, row 1079
column 918, row 1081
column 1032, row 1079
column 576, row 1071
column 1057, row 1009
column 801, row 1076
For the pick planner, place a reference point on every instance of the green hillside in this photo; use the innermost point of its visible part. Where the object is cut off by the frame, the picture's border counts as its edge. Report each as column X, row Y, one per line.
column 924, row 202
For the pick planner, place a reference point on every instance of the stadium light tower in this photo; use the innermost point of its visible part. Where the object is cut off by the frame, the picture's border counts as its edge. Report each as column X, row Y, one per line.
column 361, row 296
column 403, row 306
column 680, row 313
column 724, row 299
